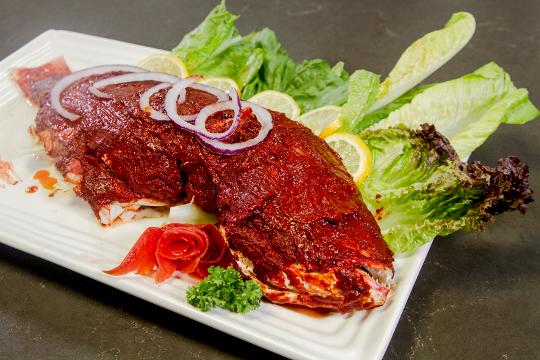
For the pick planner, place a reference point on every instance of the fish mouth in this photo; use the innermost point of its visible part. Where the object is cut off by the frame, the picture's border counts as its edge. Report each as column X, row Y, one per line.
column 342, row 289
column 380, row 280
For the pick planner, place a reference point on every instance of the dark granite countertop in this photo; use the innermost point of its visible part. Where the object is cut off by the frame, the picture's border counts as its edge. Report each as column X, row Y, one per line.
column 477, row 295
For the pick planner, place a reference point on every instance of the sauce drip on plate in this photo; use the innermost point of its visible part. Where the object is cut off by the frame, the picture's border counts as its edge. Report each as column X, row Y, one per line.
column 31, row 189
column 45, row 179
column 315, row 313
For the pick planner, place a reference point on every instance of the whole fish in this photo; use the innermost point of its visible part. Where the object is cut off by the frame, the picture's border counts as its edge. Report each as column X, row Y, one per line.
column 291, row 214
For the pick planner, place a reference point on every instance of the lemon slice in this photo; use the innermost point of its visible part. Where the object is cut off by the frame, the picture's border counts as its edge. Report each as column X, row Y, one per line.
column 221, row 83
column 354, row 153
column 277, row 101
column 332, row 128
column 166, row 63
column 318, row 120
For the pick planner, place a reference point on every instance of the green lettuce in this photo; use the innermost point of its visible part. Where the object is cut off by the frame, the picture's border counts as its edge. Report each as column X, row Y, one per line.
column 375, row 116
column 215, row 48
column 316, row 83
column 419, row 188
column 425, row 56
column 467, row 110
column 363, row 91
column 258, row 62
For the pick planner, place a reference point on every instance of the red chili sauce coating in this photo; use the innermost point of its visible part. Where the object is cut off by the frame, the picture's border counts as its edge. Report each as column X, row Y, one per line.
column 288, row 200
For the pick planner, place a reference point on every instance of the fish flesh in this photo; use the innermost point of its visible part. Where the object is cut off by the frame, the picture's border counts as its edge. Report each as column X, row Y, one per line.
column 288, row 209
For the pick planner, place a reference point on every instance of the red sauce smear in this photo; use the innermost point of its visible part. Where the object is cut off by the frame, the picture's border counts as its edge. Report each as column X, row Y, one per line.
column 316, row 313
column 52, row 193
column 31, row 189
column 378, row 213
column 45, row 179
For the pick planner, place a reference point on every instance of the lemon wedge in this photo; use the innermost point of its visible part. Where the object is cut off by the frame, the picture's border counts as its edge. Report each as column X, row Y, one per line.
column 277, row 101
column 320, row 119
column 166, row 63
column 354, row 153
column 221, row 83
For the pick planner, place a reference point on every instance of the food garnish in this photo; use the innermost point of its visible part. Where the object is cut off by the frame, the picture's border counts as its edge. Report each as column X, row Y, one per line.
column 221, row 83
column 419, row 188
column 72, row 78
column 167, row 63
column 225, row 288
column 322, row 120
column 258, row 62
column 354, row 153
column 127, row 78
column 277, row 101
column 424, row 56
column 174, row 247
column 467, row 110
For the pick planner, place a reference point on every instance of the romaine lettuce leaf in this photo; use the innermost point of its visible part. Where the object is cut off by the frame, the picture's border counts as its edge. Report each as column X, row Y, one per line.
column 363, row 90
column 425, row 56
column 382, row 113
column 467, row 110
column 419, row 188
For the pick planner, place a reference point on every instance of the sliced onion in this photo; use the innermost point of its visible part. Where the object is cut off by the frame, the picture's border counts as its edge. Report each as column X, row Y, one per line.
column 66, row 81
column 263, row 116
column 221, row 95
column 207, row 111
column 171, row 108
column 141, row 76
column 144, row 102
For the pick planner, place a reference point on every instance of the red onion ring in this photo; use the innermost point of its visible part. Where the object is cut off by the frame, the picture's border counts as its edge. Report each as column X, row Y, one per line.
column 265, row 119
column 171, row 101
column 141, row 76
column 67, row 80
column 207, row 111
column 144, row 102
column 221, row 95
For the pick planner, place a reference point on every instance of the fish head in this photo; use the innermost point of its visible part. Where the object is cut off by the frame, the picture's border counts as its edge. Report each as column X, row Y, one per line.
column 343, row 269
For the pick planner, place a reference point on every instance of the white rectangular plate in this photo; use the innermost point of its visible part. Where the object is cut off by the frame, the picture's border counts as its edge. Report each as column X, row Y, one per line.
column 63, row 230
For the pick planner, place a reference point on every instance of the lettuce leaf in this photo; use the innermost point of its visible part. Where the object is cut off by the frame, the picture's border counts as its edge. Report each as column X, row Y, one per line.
column 216, row 32
column 467, row 110
column 425, row 56
column 258, row 62
column 419, row 188
column 374, row 117
column 363, row 90
column 276, row 69
column 316, row 84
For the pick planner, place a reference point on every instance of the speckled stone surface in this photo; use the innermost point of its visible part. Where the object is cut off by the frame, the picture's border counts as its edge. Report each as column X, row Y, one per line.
column 477, row 295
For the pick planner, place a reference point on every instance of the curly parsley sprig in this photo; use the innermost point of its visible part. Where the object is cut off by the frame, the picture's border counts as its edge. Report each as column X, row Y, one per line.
column 225, row 288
